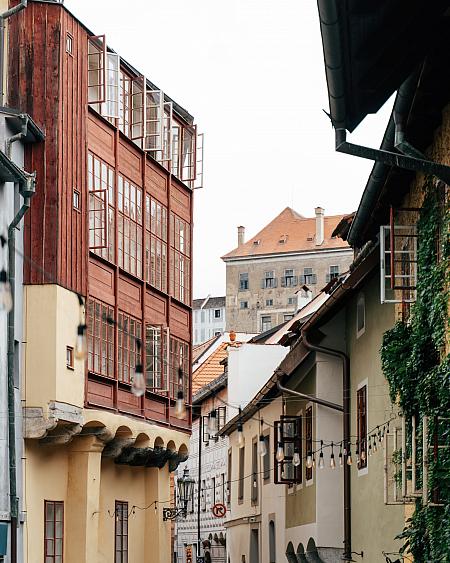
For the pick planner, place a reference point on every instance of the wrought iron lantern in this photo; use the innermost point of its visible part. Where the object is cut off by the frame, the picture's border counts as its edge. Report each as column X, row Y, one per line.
column 185, row 486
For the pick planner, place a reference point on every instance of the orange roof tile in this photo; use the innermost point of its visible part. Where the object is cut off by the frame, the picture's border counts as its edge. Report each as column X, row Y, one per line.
column 297, row 232
column 210, row 369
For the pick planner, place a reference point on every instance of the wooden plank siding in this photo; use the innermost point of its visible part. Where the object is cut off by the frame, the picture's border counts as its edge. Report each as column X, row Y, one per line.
column 51, row 85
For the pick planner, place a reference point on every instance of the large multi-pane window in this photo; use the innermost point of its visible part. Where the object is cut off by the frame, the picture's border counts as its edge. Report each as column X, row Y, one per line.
column 130, row 227
column 155, row 358
column 101, row 207
column 179, row 357
column 121, row 533
column 129, row 355
column 53, row 531
column 156, row 243
column 125, row 104
column 100, row 338
column 180, row 258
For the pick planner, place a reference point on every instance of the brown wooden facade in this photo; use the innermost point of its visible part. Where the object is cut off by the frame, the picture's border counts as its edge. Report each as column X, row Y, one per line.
column 48, row 78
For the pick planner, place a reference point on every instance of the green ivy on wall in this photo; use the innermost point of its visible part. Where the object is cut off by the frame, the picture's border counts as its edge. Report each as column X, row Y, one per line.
column 418, row 372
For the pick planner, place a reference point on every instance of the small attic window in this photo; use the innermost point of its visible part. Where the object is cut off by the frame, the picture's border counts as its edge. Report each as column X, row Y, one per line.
column 282, row 239
column 257, row 242
column 310, row 236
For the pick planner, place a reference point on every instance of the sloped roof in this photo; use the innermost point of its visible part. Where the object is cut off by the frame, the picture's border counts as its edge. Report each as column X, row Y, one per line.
column 297, row 232
column 199, row 349
column 210, row 369
column 209, row 303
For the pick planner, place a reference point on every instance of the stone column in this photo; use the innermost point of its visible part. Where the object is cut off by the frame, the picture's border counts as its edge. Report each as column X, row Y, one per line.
column 83, row 500
column 157, row 536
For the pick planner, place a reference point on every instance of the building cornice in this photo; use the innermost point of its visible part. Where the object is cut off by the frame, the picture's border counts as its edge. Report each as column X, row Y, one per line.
column 316, row 253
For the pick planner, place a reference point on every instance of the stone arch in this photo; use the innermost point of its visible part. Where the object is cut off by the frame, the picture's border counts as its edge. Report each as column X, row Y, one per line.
column 142, row 440
column 171, row 446
column 158, row 443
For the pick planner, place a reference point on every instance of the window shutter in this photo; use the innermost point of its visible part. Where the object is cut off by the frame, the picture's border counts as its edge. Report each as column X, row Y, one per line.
column 283, row 282
column 274, row 282
column 313, row 279
column 263, row 283
column 295, row 280
column 206, row 435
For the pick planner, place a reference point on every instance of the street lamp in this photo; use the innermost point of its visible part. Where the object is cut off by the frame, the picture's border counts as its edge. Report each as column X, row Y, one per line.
column 185, row 485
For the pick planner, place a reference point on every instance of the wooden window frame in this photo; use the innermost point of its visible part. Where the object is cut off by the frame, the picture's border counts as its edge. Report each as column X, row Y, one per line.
column 129, row 355
column 178, row 355
column 99, row 43
column 243, row 281
column 69, row 44
column 70, row 358
column 229, row 475
column 361, row 421
column 254, row 496
column 266, row 458
column 180, row 261
column 281, row 437
column 161, row 357
column 102, row 187
column 121, row 531
column 130, row 206
column 156, row 234
column 50, row 555
column 101, row 339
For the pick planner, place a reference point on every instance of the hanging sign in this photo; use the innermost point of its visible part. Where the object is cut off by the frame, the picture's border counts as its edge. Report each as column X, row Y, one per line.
column 219, row 510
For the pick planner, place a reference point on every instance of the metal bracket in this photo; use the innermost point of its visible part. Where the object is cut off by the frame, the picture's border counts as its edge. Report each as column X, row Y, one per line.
column 173, row 513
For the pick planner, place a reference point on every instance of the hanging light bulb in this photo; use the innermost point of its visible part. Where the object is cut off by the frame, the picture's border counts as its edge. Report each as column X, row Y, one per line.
column 382, row 435
column 321, row 462
column 296, row 459
column 314, row 461
column 280, row 452
column 212, row 423
column 363, row 451
column 262, row 446
column 6, row 301
column 374, row 444
column 138, row 382
column 357, row 452
column 240, row 434
column 379, row 435
column 340, row 455
column 309, row 460
column 370, row 447
column 80, row 344
column 332, row 460
column 387, row 428
column 349, row 457
column 255, row 484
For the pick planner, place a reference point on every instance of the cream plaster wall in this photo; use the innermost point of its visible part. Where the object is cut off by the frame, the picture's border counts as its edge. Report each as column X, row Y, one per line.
column 51, row 317
column 374, row 524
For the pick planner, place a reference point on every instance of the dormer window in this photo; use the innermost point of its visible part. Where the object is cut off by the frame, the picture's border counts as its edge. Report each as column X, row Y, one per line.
column 282, row 239
column 256, row 242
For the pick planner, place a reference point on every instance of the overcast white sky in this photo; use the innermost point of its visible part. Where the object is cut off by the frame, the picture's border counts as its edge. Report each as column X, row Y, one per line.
column 252, row 74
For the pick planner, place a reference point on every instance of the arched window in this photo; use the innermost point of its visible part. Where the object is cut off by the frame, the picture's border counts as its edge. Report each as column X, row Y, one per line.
column 272, row 543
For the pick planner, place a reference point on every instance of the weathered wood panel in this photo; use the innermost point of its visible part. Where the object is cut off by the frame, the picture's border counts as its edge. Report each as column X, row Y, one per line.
column 155, row 308
column 100, row 394
column 100, row 138
column 127, row 402
column 179, row 322
column 180, row 201
column 129, row 296
column 130, row 161
column 156, row 182
column 101, row 281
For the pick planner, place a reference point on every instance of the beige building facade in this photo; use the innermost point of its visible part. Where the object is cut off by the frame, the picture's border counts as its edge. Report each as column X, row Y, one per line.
column 279, row 270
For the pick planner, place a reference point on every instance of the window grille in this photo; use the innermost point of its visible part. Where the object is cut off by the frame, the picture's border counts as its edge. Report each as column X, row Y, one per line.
column 100, row 337
column 121, row 532
column 156, row 358
column 288, row 434
column 129, row 330
column 54, row 531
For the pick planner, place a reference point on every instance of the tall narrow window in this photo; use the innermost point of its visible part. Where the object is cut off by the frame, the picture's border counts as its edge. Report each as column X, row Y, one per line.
column 54, row 531
column 309, row 277
column 154, row 119
column 308, row 440
column 125, row 104
column 155, row 358
column 288, row 435
column 121, row 532
column 289, row 280
column 333, row 273
column 361, row 399
column 241, row 474
column 101, row 208
column 266, row 459
column 360, row 315
column 96, row 69
column 179, row 357
column 156, row 243
column 180, row 259
column 272, row 542
column 129, row 356
column 188, row 155
column 213, row 491
column 266, row 323
column 269, row 280
column 229, row 476
column 176, row 133
column 130, row 227
column 100, row 338
column 243, row 281
column 254, row 495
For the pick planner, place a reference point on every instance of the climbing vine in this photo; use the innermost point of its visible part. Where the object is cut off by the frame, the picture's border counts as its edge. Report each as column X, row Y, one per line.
column 417, row 368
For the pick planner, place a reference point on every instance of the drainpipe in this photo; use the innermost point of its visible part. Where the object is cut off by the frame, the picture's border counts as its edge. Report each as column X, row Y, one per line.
column 310, row 398
column 23, row 4
column 27, row 191
column 199, row 484
column 346, row 431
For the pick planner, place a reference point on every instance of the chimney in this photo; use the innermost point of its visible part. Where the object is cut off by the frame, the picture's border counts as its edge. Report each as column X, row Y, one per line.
column 319, row 225
column 241, row 235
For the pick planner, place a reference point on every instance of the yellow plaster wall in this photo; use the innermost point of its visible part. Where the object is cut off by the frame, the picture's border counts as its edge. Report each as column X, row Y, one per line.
column 51, row 316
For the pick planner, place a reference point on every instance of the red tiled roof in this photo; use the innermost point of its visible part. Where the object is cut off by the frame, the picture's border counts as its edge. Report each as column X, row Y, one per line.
column 298, row 233
column 210, row 368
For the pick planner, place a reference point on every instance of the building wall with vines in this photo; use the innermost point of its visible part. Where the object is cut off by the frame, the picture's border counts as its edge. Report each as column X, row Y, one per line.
column 416, row 361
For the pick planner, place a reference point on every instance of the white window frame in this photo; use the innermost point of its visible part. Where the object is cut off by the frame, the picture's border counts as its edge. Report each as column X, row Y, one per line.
column 110, row 106
column 138, row 112
column 199, row 159
column 154, row 121
column 98, row 42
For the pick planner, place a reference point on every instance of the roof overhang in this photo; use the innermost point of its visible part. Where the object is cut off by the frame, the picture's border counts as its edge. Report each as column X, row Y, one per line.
column 370, row 48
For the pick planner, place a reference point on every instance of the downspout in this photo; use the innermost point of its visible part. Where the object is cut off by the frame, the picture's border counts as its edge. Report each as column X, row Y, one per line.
column 346, row 433
column 310, row 398
column 200, row 434
column 23, row 4
column 14, row 501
